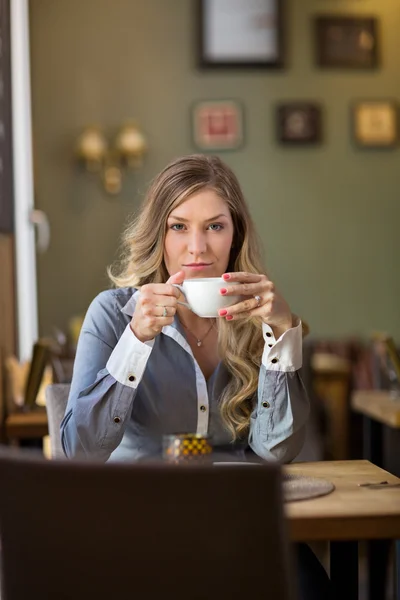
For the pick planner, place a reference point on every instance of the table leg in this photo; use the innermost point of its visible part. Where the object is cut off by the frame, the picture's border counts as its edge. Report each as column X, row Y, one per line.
column 378, row 552
column 373, row 441
column 344, row 570
column 397, row 569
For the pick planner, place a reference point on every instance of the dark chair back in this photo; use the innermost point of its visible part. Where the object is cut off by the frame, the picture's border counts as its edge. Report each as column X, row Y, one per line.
column 74, row 531
column 40, row 358
column 56, row 403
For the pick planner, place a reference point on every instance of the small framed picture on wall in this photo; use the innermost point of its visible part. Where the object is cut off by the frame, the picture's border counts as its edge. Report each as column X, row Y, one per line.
column 375, row 123
column 241, row 33
column 217, row 125
column 346, row 42
column 299, row 123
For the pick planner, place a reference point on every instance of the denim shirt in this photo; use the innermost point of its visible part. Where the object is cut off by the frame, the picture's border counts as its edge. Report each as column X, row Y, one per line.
column 126, row 394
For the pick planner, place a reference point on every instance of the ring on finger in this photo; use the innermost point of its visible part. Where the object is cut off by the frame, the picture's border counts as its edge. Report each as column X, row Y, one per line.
column 258, row 300
column 165, row 312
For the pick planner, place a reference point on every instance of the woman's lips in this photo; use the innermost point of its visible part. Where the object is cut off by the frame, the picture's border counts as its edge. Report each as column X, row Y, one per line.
column 197, row 266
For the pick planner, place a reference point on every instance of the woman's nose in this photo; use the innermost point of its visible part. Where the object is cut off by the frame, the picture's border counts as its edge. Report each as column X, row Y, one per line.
column 197, row 243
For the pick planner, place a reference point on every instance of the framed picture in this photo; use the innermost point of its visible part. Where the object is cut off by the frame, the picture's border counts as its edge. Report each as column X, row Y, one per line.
column 241, row 33
column 299, row 123
column 217, row 125
column 346, row 42
column 375, row 123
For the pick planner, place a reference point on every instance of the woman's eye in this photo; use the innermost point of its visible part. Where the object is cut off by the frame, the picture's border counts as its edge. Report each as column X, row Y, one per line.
column 177, row 226
column 216, row 227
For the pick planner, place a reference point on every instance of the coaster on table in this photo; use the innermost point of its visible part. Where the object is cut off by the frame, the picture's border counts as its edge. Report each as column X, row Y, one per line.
column 298, row 487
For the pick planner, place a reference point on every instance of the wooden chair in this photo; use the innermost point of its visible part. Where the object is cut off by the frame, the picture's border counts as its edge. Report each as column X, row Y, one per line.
column 142, row 530
column 28, row 421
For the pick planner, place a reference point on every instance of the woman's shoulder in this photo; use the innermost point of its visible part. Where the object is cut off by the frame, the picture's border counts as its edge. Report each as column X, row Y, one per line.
column 115, row 297
column 108, row 305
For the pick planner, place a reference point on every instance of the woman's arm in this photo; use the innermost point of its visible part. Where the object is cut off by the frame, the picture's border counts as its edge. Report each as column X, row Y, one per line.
column 277, row 424
column 108, row 367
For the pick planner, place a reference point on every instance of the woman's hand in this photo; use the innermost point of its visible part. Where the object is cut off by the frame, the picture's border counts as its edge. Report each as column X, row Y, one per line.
column 263, row 301
column 156, row 307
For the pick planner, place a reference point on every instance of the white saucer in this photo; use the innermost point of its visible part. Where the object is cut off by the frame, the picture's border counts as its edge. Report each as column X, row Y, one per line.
column 235, row 464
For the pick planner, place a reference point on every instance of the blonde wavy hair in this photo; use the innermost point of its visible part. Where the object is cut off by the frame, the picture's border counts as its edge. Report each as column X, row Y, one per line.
column 240, row 343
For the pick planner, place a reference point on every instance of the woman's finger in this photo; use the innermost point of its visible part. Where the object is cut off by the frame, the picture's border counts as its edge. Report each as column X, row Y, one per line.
column 164, row 321
column 255, row 312
column 165, row 311
column 159, row 289
column 244, row 277
column 246, row 289
column 162, row 310
column 246, row 306
column 154, row 300
column 156, row 322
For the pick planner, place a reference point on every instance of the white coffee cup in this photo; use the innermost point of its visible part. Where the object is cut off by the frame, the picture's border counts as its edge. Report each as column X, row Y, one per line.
column 203, row 295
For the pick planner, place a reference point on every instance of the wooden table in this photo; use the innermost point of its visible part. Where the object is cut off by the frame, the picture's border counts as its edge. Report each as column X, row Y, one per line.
column 378, row 405
column 351, row 512
column 24, row 425
column 348, row 515
column 381, row 418
column 381, row 428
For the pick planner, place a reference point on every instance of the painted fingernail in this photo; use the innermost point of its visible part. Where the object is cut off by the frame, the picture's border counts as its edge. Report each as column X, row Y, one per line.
column 223, row 312
column 226, row 276
column 223, row 291
column 229, row 318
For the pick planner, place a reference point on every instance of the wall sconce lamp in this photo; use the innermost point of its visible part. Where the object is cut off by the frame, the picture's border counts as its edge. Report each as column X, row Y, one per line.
column 127, row 151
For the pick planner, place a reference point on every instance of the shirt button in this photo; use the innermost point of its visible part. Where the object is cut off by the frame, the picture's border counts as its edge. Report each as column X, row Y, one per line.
column 274, row 360
column 132, row 378
column 270, row 345
column 203, row 408
column 117, row 420
column 268, row 334
column 266, row 404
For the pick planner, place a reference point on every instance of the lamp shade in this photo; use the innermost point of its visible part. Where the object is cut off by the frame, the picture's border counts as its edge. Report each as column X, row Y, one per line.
column 131, row 144
column 92, row 147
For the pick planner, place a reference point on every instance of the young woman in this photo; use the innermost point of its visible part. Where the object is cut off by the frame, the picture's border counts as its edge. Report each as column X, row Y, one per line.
column 147, row 366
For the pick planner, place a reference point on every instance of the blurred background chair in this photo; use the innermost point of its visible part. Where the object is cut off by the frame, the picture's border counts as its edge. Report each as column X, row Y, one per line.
column 22, row 417
column 332, row 370
column 56, row 403
column 144, row 530
column 331, row 380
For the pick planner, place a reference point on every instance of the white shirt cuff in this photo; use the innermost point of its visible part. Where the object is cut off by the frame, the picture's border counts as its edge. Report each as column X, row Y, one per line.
column 129, row 358
column 286, row 353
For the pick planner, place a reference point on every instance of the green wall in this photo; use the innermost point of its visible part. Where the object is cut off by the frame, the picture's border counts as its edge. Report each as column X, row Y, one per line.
column 328, row 216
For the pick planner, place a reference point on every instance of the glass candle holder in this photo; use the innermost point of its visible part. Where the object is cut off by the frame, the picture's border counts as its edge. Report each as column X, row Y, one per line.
column 186, row 448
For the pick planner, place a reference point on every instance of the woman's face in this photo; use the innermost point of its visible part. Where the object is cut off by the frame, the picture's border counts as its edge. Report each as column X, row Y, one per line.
column 199, row 236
